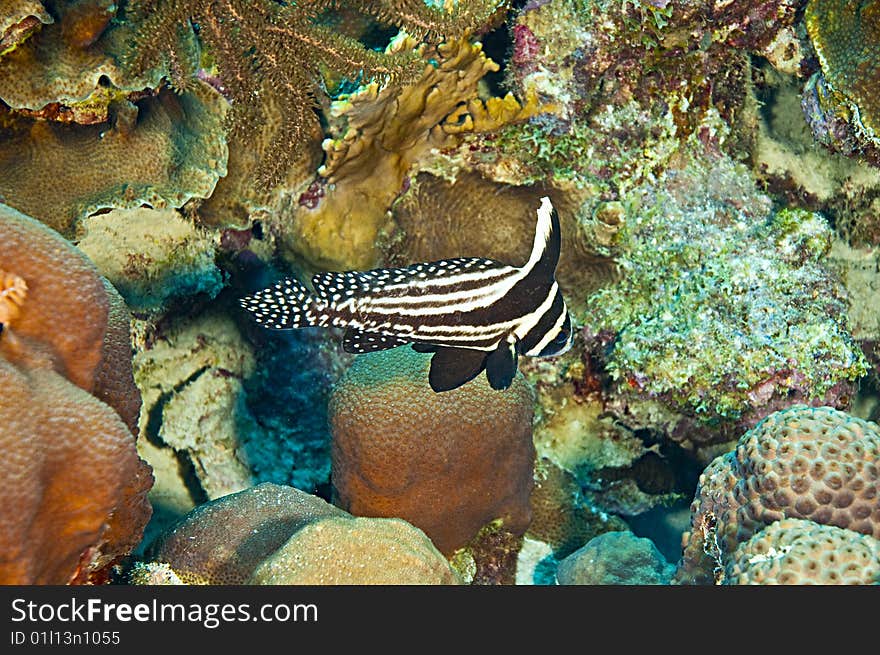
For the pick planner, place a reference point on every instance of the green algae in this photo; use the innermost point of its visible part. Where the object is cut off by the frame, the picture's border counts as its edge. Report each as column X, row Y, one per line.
column 723, row 306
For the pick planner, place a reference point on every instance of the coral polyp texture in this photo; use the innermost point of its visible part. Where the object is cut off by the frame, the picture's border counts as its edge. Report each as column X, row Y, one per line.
column 816, row 464
column 846, row 38
column 449, row 463
column 19, row 20
column 71, row 482
column 271, row 534
column 356, row 551
column 800, row 552
column 162, row 152
column 225, row 540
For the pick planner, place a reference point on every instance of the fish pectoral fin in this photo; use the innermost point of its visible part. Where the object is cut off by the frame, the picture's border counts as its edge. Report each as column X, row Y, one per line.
column 501, row 365
column 425, row 347
column 360, row 341
column 453, row 367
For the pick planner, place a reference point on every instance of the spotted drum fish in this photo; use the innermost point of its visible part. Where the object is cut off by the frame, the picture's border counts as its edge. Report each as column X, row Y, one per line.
column 472, row 313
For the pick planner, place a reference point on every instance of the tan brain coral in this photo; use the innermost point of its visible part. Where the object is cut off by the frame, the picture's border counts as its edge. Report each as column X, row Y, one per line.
column 798, row 552
column 71, row 483
column 356, row 551
column 225, row 540
column 449, row 463
column 802, row 462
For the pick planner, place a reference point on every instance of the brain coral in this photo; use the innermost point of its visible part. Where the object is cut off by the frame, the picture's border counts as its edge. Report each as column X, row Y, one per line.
column 71, row 483
column 797, row 552
column 805, row 463
column 448, row 463
column 342, row 550
column 223, row 541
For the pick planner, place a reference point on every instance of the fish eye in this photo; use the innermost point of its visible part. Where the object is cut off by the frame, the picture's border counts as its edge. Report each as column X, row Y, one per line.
column 561, row 342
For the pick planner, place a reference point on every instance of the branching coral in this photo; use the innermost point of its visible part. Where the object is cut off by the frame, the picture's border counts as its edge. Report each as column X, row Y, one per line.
column 72, row 485
column 279, row 49
column 378, row 138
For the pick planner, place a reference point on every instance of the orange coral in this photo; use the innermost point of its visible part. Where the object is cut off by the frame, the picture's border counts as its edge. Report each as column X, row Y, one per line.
column 71, row 483
column 13, row 291
column 448, row 463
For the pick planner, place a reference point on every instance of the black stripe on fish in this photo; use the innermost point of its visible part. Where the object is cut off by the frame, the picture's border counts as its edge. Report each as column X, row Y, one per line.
column 474, row 314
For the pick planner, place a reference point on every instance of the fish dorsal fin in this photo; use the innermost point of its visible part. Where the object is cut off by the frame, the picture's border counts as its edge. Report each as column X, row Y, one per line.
column 501, row 365
column 360, row 341
column 453, row 367
column 548, row 240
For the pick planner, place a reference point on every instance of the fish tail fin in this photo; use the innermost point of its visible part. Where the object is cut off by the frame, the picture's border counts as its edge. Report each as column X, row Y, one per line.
column 284, row 306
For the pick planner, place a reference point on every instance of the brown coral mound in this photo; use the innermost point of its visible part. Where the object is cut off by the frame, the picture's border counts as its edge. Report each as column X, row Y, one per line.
column 449, row 463
column 798, row 552
column 474, row 217
column 223, row 542
column 802, row 462
column 72, row 485
column 356, row 551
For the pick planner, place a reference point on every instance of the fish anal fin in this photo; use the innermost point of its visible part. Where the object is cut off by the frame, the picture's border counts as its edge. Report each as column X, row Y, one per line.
column 453, row 367
column 360, row 341
column 501, row 366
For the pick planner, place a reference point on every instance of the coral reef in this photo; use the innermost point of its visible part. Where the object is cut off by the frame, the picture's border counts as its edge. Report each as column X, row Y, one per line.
column 840, row 102
column 70, row 70
column 73, row 485
column 378, row 136
column 809, row 463
column 173, row 151
column 448, row 463
column 799, row 552
column 151, row 256
column 280, row 50
column 226, row 406
column 471, row 216
column 560, row 517
column 271, row 534
column 19, row 20
column 615, row 558
column 356, row 551
column 709, row 319
column 224, row 541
